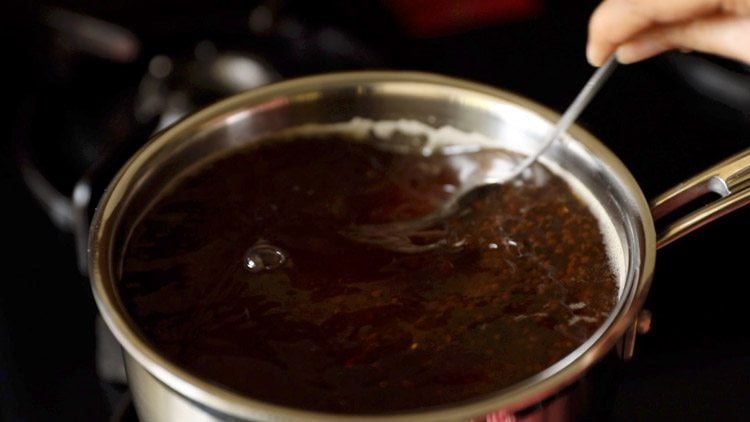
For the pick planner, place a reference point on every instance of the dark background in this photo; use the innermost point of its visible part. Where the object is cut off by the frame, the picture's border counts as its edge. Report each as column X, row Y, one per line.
column 693, row 365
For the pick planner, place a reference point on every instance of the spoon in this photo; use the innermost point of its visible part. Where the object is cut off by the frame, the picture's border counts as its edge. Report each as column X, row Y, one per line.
column 399, row 235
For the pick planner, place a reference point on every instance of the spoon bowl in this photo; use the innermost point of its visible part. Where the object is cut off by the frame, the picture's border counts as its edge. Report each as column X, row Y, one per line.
column 424, row 233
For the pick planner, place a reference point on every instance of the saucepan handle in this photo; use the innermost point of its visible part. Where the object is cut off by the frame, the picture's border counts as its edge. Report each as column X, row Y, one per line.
column 730, row 179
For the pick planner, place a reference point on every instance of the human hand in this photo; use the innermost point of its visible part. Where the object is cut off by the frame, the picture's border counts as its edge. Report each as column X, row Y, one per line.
column 639, row 29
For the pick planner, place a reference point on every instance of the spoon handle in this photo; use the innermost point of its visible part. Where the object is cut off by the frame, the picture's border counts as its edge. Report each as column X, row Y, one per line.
column 571, row 114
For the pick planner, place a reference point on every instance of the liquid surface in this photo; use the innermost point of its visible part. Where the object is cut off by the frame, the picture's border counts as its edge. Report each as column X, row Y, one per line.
column 241, row 275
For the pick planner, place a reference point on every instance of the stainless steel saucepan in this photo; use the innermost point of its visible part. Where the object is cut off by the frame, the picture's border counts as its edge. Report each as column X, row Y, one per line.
column 163, row 391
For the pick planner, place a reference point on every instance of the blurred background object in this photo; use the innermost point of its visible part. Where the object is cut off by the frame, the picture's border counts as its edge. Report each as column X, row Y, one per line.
column 89, row 82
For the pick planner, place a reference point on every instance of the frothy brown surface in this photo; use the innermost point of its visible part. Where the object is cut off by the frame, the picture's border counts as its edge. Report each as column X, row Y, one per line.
column 521, row 280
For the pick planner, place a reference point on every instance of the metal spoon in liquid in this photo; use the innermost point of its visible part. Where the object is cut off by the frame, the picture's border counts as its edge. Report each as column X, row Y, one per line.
column 399, row 236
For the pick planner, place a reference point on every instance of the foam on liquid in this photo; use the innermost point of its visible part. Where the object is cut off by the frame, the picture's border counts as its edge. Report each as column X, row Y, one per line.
column 448, row 140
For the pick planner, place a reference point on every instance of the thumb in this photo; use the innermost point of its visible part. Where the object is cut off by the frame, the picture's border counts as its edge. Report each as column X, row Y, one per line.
column 723, row 35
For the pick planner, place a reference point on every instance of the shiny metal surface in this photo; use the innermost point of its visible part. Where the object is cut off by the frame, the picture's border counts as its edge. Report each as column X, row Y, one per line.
column 730, row 179
column 154, row 401
column 570, row 115
column 514, row 122
column 397, row 236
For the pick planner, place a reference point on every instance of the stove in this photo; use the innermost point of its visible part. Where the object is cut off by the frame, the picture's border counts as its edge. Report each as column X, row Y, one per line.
column 91, row 82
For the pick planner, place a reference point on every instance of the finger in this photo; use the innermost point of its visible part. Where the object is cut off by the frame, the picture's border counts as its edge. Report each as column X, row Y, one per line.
column 616, row 21
column 722, row 35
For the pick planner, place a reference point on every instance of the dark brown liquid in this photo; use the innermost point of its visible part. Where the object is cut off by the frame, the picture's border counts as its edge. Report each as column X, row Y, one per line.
column 522, row 279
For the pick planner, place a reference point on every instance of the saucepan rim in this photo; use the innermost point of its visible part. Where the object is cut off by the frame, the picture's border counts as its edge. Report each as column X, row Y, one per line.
column 207, row 395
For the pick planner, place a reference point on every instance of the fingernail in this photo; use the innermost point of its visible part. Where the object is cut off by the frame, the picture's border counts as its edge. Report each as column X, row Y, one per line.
column 591, row 56
column 628, row 53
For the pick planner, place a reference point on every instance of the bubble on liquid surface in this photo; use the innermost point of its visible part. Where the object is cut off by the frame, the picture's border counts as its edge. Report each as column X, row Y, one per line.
column 264, row 257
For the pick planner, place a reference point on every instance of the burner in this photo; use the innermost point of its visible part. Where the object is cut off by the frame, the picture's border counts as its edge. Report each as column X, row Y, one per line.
column 78, row 128
column 124, row 411
column 95, row 83
column 178, row 84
